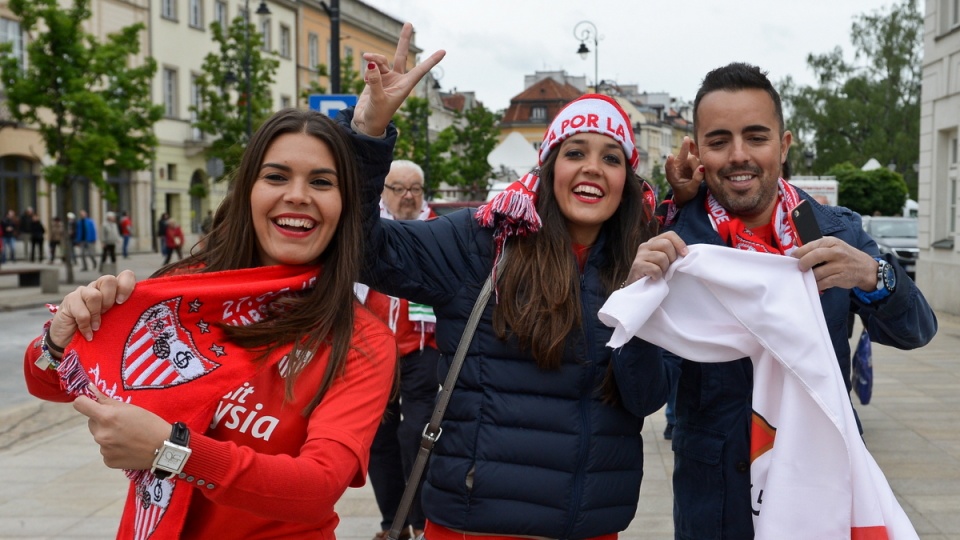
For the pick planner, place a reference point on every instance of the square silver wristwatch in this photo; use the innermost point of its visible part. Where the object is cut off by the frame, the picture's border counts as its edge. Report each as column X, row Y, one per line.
column 172, row 456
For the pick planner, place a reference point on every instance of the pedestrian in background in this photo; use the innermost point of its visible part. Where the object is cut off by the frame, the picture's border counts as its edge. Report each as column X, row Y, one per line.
column 70, row 237
column 86, row 239
column 739, row 145
column 11, row 230
column 278, row 392
column 24, row 225
column 55, row 237
column 542, row 434
column 162, row 234
column 37, row 233
column 174, row 240
column 126, row 231
column 395, row 447
column 109, row 236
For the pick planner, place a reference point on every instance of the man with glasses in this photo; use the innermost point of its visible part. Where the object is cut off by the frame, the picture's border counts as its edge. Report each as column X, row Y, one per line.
column 395, row 446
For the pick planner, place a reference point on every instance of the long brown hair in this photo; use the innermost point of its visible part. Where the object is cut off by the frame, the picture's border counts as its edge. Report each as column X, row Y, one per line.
column 322, row 316
column 539, row 288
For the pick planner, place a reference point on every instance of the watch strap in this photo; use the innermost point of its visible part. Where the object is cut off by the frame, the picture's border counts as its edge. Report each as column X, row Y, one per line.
column 882, row 290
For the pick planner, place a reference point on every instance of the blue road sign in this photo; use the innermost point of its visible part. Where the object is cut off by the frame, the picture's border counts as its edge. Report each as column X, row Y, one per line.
column 330, row 104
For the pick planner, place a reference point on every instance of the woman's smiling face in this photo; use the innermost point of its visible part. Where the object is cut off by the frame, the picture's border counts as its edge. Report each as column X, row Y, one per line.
column 296, row 201
column 588, row 179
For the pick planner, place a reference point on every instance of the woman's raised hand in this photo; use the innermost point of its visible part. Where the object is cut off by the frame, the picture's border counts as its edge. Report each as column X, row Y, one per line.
column 387, row 87
column 81, row 309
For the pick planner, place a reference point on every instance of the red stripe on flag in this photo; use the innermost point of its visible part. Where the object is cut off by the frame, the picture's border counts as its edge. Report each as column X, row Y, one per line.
column 878, row 532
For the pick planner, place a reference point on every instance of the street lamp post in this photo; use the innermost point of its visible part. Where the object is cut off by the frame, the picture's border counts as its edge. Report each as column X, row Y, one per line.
column 583, row 31
column 333, row 11
column 247, row 59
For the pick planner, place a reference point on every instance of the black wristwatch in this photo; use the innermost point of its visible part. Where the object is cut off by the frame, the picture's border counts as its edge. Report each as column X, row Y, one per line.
column 172, row 456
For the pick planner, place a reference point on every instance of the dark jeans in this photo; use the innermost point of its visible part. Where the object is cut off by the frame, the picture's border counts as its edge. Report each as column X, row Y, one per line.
column 36, row 249
column 109, row 250
column 395, row 446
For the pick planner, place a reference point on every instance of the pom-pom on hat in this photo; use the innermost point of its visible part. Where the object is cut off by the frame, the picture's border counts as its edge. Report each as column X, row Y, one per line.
column 514, row 211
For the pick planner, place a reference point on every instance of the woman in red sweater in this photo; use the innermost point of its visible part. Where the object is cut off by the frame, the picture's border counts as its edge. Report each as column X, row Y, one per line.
column 241, row 387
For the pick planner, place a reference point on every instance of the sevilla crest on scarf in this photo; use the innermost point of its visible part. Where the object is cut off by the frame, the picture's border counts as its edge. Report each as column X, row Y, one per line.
column 160, row 352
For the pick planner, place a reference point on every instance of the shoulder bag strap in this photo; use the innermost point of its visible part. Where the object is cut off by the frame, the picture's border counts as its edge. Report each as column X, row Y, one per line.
column 432, row 431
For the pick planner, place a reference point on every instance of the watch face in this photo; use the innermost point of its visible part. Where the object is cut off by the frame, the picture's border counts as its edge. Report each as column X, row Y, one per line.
column 172, row 458
column 889, row 276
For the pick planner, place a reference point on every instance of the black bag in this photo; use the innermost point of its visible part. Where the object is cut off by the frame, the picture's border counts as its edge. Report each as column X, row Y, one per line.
column 863, row 368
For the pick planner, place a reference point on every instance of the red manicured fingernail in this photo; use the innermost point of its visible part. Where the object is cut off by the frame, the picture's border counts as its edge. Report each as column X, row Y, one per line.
column 371, row 66
column 700, row 168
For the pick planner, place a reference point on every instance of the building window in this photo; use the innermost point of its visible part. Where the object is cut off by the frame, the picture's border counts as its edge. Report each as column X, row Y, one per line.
column 954, row 150
column 348, row 52
column 220, row 13
column 196, row 104
column 10, row 33
column 285, row 102
column 170, row 92
column 538, row 113
column 196, row 13
column 953, row 206
column 954, row 13
column 265, row 32
column 284, row 41
column 172, row 172
column 313, row 51
column 168, row 9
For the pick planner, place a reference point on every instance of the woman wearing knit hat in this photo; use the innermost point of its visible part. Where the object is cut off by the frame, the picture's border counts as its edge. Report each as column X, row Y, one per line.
column 541, row 437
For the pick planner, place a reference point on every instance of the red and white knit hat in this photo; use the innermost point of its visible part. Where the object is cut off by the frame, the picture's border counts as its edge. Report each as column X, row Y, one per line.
column 513, row 212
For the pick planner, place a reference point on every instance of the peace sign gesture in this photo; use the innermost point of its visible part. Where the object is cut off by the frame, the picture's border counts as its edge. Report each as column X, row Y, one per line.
column 387, row 87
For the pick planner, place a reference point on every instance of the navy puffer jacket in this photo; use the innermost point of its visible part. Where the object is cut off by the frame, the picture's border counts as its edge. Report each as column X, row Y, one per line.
column 523, row 451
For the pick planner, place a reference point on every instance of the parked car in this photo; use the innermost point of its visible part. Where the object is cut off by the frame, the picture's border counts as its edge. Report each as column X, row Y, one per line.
column 896, row 236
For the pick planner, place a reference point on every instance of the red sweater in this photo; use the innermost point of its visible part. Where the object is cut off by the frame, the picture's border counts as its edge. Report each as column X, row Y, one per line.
column 268, row 471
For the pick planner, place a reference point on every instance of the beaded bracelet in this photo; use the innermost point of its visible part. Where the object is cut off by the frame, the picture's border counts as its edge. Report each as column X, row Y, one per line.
column 46, row 360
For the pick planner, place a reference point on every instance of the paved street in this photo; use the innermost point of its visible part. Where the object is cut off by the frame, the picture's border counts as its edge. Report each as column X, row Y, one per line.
column 53, row 484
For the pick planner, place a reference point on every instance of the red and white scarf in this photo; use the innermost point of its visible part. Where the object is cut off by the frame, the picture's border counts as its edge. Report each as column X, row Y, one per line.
column 163, row 350
column 737, row 235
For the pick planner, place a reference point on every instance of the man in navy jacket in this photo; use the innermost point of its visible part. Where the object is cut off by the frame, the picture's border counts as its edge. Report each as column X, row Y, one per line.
column 739, row 146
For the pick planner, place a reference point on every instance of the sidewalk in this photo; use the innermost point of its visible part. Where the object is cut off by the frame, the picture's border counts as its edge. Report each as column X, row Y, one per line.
column 53, row 483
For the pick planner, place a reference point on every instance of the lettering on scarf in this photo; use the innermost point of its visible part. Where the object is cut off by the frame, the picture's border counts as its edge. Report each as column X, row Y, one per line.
column 718, row 213
column 247, row 310
column 108, row 389
column 238, row 412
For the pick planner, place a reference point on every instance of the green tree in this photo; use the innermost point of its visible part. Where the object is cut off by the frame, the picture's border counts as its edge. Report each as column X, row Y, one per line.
column 351, row 82
column 222, row 115
column 89, row 100
column 868, row 108
column 866, row 192
column 473, row 135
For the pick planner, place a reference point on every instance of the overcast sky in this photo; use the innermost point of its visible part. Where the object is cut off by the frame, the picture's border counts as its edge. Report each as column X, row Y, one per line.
column 661, row 46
